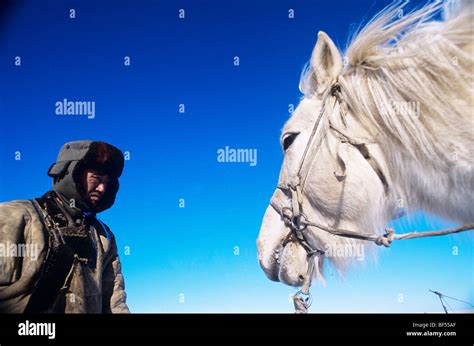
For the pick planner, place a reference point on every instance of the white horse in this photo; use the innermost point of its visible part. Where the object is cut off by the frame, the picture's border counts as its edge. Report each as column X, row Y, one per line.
column 395, row 131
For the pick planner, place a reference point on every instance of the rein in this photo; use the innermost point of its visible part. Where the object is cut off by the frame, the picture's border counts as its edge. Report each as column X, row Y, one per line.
column 295, row 219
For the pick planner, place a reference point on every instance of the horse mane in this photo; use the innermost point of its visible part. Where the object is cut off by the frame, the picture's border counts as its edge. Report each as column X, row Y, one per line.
column 422, row 59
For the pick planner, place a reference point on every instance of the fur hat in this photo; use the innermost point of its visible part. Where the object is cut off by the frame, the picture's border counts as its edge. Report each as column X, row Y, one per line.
column 73, row 159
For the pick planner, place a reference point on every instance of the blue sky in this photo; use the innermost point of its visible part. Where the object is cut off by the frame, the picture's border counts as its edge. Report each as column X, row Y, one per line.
column 200, row 258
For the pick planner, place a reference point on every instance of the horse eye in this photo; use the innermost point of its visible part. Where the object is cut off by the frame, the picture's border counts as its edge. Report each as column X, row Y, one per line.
column 289, row 140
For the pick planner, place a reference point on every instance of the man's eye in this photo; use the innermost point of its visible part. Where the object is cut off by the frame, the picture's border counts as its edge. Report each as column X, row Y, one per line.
column 96, row 178
column 288, row 140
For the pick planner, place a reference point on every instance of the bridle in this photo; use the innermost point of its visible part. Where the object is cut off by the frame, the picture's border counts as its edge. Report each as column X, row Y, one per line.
column 294, row 217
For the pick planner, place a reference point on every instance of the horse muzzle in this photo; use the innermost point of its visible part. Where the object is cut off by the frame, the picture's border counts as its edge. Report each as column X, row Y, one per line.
column 281, row 260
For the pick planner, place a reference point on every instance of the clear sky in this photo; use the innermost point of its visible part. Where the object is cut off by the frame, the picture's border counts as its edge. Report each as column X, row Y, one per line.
column 200, row 258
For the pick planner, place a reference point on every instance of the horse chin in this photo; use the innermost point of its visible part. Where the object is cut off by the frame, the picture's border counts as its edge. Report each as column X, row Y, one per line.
column 287, row 264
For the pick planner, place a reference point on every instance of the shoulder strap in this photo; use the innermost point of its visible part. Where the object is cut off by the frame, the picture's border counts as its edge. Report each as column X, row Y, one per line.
column 56, row 266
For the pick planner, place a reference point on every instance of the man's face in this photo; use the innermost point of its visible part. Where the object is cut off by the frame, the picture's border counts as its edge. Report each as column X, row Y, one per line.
column 95, row 184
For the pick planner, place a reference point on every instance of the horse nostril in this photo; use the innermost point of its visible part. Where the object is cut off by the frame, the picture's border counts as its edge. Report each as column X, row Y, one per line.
column 301, row 277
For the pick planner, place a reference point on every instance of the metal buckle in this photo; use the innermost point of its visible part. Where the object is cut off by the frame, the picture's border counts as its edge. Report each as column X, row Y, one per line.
column 307, row 299
column 298, row 224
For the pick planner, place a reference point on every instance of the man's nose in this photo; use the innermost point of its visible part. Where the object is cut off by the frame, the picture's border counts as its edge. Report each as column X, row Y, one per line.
column 100, row 187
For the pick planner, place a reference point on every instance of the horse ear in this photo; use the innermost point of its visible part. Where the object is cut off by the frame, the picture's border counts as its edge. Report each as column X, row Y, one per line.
column 326, row 62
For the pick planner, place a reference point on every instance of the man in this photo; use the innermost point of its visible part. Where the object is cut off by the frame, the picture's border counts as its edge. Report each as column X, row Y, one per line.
column 72, row 265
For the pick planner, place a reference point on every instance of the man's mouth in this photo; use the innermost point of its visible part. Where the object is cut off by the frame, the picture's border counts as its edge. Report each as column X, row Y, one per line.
column 94, row 197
